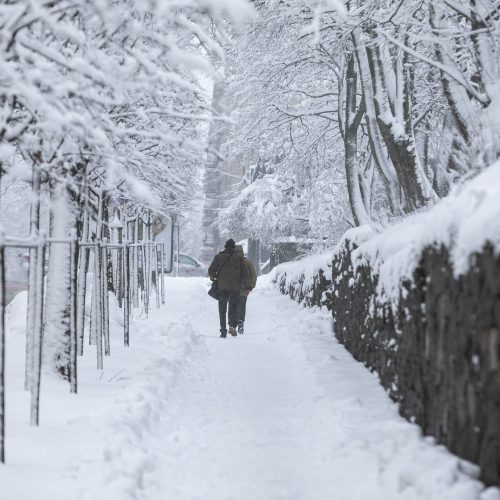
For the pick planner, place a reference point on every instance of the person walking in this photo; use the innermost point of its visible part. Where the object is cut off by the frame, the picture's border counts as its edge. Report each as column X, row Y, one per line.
column 248, row 285
column 228, row 268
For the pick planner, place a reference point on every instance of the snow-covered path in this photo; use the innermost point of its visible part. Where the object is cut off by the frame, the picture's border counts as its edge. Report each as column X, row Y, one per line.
column 244, row 421
column 280, row 413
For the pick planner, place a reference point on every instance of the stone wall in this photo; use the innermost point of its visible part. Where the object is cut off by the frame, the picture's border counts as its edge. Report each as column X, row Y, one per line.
column 437, row 350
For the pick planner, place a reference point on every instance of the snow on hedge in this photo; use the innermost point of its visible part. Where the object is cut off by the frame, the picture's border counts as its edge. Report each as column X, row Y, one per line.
column 300, row 276
column 302, row 273
column 463, row 222
column 305, row 268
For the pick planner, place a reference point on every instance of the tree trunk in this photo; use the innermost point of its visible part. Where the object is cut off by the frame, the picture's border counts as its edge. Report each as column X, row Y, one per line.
column 37, row 329
column 377, row 146
column 353, row 116
column 73, row 351
column 83, row 268
column 394, row 119
column 34, row 230
column 2, row 355
column 57, row 319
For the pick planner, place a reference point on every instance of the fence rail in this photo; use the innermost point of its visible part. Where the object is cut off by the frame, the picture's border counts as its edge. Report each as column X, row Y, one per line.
column 130, row 266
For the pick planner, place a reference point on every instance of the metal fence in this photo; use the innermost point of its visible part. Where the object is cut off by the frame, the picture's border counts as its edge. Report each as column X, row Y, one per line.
column 125, row 263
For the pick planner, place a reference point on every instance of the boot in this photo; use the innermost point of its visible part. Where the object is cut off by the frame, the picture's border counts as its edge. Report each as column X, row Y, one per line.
column 223, row 333
column 232, row 331
column 241, row 330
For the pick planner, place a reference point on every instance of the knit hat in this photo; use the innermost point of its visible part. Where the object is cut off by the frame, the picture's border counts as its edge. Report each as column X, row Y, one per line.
column 230, row 244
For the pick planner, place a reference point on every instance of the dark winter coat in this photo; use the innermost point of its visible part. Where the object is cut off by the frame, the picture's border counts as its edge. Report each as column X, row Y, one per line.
column 229, row 269
column 250, row 278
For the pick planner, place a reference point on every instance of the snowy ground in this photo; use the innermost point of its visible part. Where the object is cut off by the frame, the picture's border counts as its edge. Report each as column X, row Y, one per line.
column 281, row 413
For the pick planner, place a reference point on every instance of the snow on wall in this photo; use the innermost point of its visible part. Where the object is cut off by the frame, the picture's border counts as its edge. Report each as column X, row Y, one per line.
column 306, row 281
column 448, row 313
column 463, row 222
column 300, row 278
column 303, row 270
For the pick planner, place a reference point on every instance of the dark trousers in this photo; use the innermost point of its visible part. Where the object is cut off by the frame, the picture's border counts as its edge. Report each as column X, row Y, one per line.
column 243, row 308
column 233, row 300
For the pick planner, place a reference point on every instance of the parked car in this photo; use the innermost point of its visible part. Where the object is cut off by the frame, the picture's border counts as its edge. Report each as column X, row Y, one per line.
column 188, row 266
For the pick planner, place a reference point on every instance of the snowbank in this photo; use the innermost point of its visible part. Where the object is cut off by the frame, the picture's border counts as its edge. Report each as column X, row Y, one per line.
column 94, row 444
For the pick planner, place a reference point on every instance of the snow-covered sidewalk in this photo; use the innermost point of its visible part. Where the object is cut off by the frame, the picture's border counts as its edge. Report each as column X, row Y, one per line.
column 280, row 413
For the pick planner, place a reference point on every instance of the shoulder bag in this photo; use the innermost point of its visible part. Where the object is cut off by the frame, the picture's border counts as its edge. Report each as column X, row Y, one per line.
column 214, row 291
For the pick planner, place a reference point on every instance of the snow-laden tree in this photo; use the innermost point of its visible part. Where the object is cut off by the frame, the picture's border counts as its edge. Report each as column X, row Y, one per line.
column 466, row 41
column 284, row 120
column 401, row 95
column 105, row 95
